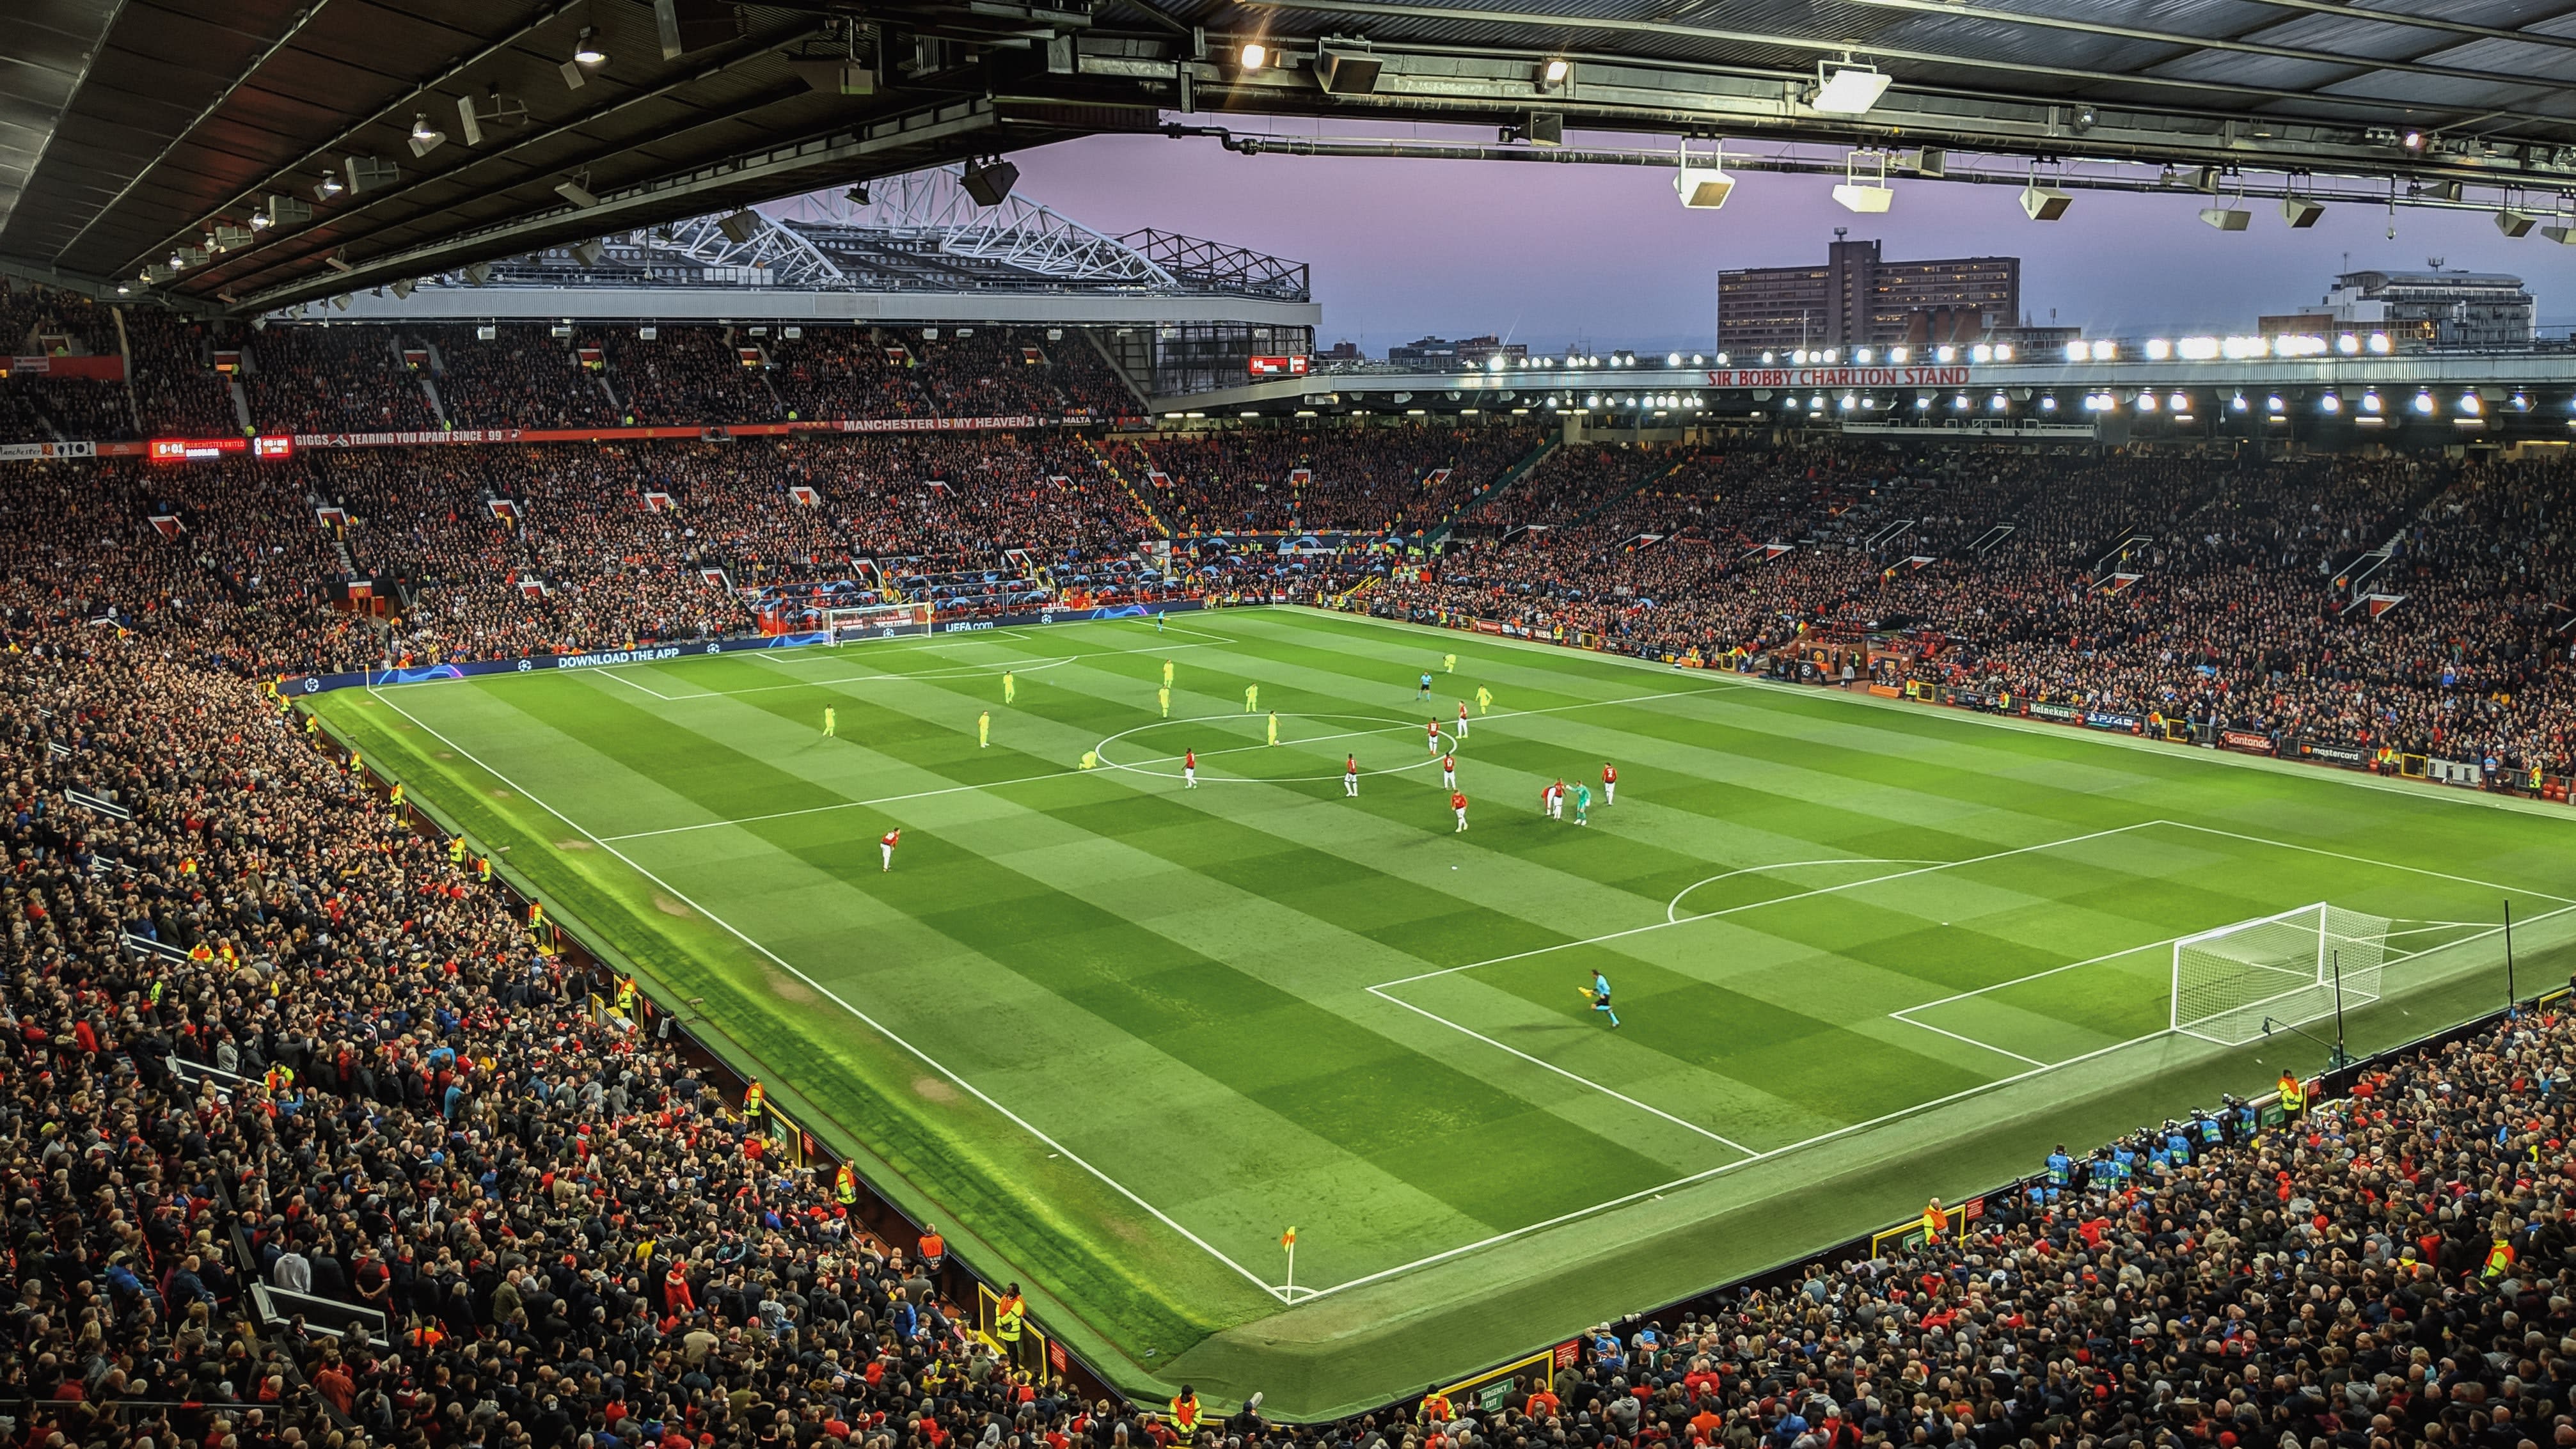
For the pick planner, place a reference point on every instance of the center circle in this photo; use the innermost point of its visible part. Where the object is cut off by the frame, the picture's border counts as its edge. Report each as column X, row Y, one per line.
column 1256, row 722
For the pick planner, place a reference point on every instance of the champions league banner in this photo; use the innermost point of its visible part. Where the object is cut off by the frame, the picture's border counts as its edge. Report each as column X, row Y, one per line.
column 306, row 684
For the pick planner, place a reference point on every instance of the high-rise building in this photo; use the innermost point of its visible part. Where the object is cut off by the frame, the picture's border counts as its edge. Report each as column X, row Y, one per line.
column 2430, row 308
column 1442, row 354
column 1857, row 298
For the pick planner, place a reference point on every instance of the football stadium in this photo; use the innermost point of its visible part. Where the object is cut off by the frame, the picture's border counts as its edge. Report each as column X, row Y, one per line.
column 689, row 768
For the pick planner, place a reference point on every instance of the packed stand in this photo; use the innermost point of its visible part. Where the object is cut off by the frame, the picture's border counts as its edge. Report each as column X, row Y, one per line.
column 332, row 380
column 342, row 1065
column 1323, row 480
column 2393, row 1269
column 523, row 377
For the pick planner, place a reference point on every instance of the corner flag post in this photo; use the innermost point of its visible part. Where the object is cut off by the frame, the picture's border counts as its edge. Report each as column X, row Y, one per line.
column 1289, row 1241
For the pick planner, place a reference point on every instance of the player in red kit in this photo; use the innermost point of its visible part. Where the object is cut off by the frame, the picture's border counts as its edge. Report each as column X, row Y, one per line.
column 1448, row 772
column 1556, row 806
column 1462, row 719
column 1431, row 736
column 1351, row 776
column 1458, row 803
column 886, row 844
column 1189, row 769
column 1609, row 784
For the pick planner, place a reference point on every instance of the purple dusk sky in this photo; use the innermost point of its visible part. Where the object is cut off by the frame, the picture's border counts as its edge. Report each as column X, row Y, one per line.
column 1605, row 255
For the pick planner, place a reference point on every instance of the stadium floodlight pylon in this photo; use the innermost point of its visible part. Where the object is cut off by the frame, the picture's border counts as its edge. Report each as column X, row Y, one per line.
column 2288, row 969
column 876, row 621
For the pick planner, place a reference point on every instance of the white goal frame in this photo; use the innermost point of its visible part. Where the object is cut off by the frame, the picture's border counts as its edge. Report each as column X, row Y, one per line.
column 2339, row 956
column 863, row 622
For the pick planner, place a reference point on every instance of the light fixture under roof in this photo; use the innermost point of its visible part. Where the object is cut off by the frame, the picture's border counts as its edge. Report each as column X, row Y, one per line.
column 1864, row 187
column 1703, row 188
column 1846, row 89
column 425, row 137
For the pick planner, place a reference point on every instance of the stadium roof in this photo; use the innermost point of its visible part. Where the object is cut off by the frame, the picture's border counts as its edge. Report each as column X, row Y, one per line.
column 133, row 131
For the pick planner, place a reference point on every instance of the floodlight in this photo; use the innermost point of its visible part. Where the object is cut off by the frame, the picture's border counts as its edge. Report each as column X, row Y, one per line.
column 588, row 252
column 2275, row 406
column 1864, row 186
column 1845, row 89
column 2424, row 403
column 2471, row 404
column 2227, row 218
column 329, row 187
column 576, row 193
column 1253, row 56
column 2370, row 402
column 2329, row 404
column 2515, row 224
column 834, row 75
column 1702, row 187
column 2565, row 236
column 1554, row 73
column 1544, row 128
column 2301, row 212
column 425, row 137
column 477, row 273
column 338, row 261
column 989, row 181
column 586, row 57
column 2044, row 203
column 1346, row 72
column 403, row 287
column 366, row 173
column 740, row 227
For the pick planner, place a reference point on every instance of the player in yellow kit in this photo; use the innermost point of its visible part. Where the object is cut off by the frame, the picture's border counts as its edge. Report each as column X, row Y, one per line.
column 984, row 729
column 1167, row 674
column 1484, row 699
column 1274, row 727
column 1010, row 687
column 1251, row 698
column 1163, row 697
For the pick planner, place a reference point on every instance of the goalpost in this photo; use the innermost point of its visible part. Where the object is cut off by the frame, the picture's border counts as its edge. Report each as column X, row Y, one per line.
column 876, row 621
column 2284, row 968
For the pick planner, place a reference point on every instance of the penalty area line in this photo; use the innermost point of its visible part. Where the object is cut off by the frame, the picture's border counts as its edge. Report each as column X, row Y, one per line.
column 871, row 1022
column 1722, row 1169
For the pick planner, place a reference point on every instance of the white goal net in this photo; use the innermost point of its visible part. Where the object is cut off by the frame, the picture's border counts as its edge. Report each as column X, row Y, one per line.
column 2284, row 969
column 876, row 621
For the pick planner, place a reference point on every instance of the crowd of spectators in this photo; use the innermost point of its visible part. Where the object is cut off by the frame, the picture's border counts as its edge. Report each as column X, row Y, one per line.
column 1323, row 479
column 345, row 1067
column 332, row 380
column 2190, row 587
column 257, row 1030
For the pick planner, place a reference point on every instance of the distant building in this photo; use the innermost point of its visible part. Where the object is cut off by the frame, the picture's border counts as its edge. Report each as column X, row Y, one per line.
column 1857, row 298
column 1343, row 351
column 2431, row 308
column 1439, row 354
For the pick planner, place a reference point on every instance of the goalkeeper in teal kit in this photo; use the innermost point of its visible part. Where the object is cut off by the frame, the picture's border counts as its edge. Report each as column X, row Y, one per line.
column 1598, row 993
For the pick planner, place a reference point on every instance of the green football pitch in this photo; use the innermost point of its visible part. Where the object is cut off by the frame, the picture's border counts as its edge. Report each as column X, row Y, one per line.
column 1116, row 1035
